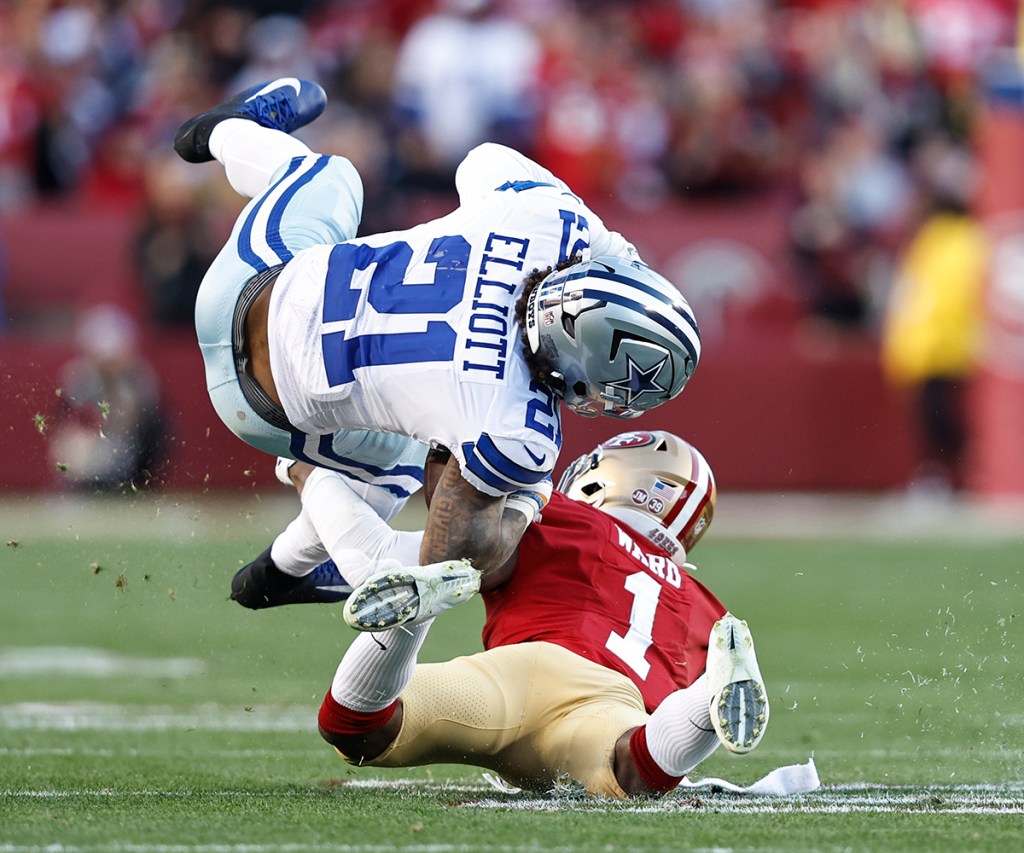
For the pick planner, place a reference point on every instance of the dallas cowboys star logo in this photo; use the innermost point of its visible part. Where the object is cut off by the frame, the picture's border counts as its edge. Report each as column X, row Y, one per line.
column 638, row 381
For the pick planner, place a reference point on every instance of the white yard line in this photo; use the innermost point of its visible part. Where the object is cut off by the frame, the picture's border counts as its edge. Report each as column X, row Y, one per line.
column 168, row 517
column 95, row 716
column 130, row 752
column 81, row 662
column 280, row 848
column 983, row 800
column 860, row 798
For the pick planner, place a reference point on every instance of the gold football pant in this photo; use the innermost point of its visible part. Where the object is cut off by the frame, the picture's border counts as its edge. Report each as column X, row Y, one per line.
column 534, row 713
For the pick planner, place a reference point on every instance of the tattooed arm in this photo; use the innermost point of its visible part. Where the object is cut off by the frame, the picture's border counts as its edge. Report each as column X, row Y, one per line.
column 464, row 522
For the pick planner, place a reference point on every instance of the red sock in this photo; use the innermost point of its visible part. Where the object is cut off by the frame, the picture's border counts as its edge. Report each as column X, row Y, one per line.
column 337, row 719
column 656, row 778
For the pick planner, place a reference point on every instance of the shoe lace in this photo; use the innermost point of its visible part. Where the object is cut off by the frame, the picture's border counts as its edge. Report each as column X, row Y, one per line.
column 327, row 573
column 276, row 106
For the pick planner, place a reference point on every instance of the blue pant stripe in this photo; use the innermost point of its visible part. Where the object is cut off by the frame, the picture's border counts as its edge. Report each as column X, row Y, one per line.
column 326, row 449
column 352, row 468
column 274, row 238
column 245, row 250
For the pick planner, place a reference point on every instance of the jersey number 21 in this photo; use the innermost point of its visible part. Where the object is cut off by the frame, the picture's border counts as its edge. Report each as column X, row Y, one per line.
column 389, row 293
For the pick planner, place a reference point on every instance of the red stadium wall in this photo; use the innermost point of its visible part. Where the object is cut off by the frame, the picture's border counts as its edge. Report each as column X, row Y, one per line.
column 199, row 452
column 781, row 419
column 774, row 405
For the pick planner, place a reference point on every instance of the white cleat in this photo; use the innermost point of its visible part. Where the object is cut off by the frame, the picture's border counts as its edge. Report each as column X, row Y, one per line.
column 410, row 595
column 739, row 703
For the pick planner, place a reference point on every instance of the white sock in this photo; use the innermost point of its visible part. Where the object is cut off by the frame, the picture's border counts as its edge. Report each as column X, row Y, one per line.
column 679, row 732
column 298, row 550
column 377, row 667
column 345, row 523
column 251, row 153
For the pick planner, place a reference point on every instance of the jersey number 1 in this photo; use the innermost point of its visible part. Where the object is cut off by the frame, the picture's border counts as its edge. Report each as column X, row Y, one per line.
column 633, row 647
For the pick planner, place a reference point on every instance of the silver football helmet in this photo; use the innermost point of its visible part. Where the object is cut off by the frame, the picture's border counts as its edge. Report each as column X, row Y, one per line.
column 654, row 482
column 622, row 338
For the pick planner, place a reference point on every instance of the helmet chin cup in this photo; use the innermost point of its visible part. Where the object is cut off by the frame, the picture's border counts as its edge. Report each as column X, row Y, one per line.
column 623, row 414
column 585, row 409
column 596, row 403
column 591, row 408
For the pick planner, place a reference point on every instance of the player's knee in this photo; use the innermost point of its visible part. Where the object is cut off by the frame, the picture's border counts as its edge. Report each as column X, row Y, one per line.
column 336, row 740
column 359, row 736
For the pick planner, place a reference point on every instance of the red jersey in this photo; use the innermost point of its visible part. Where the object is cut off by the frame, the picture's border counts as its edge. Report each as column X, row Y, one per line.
column 588, row 583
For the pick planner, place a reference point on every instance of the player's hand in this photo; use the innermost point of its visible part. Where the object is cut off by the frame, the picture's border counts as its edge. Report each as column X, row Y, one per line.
column 292, row 473
column 281, row 469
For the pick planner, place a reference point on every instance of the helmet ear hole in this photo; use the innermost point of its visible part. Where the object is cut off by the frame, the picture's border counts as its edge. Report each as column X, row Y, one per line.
column 590, row 489
column 579, row 389
column 569, row 325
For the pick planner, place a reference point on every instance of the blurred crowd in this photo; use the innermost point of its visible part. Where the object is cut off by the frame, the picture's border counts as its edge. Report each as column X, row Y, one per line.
column 106, row 426
column 853, row 108
column 859, row 115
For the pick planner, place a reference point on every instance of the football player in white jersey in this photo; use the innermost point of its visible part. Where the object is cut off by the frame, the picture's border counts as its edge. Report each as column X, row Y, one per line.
column 465, row 332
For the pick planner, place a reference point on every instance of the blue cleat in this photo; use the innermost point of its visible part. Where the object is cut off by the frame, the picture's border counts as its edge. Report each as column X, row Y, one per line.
column 262, row 584
column 286, row 103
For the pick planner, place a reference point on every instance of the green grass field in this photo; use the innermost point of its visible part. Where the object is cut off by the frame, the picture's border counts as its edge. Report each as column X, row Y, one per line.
column 142, row 711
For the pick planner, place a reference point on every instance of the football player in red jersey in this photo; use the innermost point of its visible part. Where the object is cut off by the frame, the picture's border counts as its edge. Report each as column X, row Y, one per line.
column 605, row 662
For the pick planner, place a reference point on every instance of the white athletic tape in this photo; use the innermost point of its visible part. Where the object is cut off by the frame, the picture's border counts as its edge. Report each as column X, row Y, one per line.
column 781, row 782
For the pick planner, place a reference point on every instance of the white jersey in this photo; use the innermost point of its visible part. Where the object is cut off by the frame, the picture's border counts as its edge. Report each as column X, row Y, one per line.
column 414, row 332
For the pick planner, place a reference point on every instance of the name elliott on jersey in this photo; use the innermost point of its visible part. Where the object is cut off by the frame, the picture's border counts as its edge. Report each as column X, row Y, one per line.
column 486, row 345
